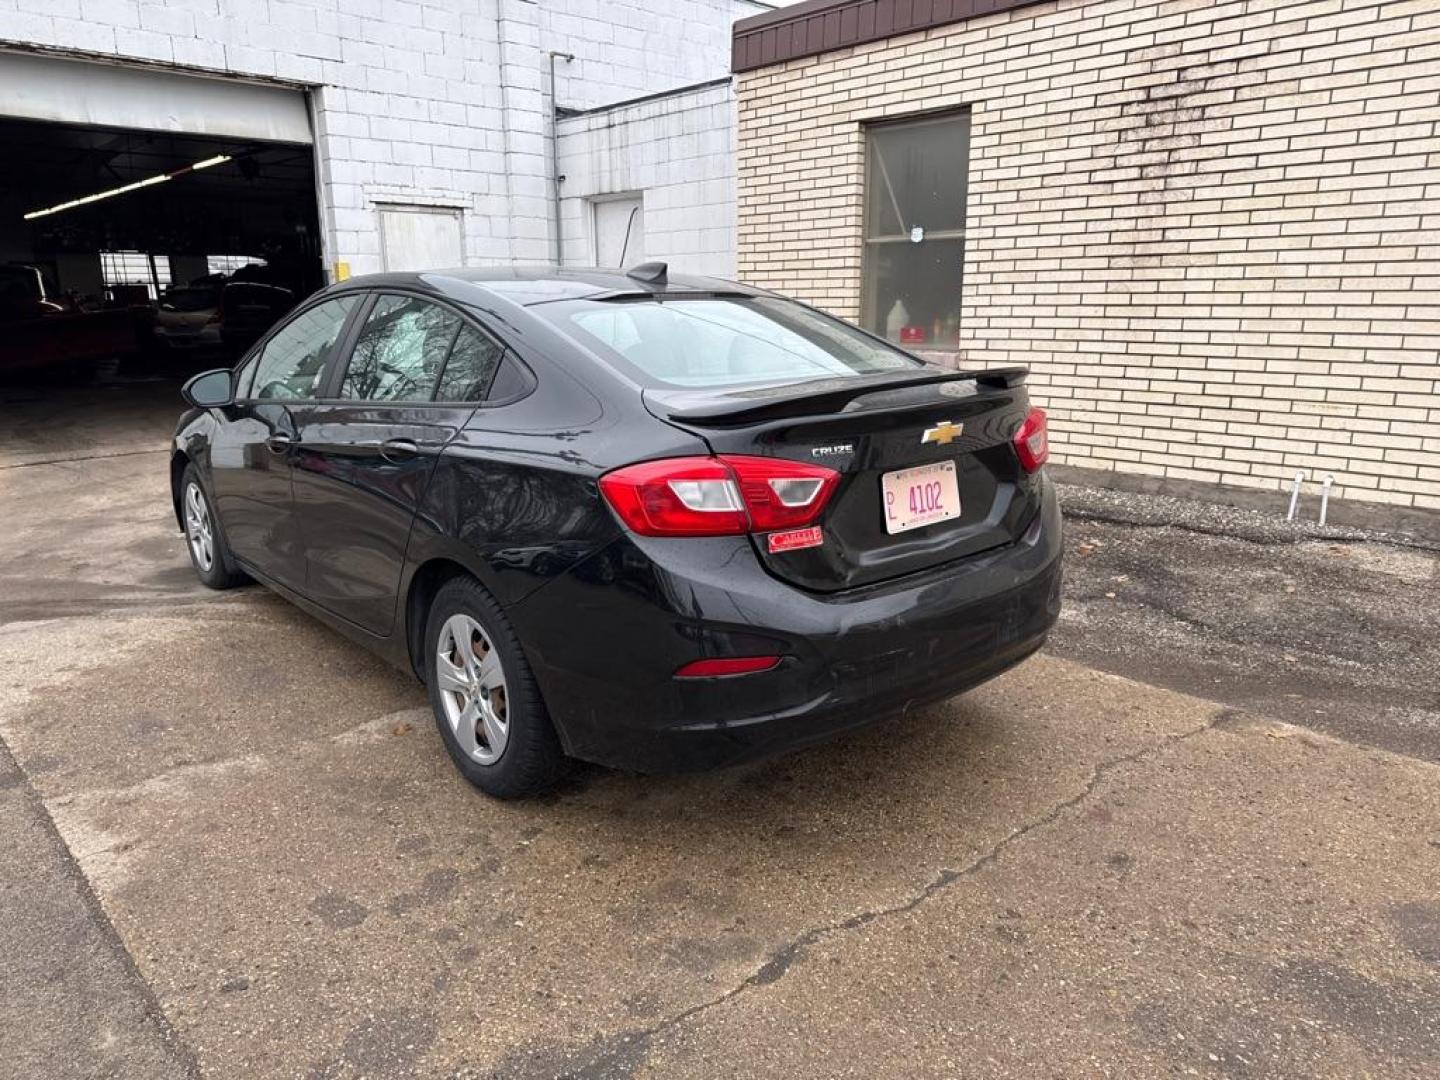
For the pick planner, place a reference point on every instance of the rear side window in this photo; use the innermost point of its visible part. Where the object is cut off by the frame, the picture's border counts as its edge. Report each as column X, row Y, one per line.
column 401, row 351
column 292, row 362
column 470, row 368
column 411, row 350
column 721, row 341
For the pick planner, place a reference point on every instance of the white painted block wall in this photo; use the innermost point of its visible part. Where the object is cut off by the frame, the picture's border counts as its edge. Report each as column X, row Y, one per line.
column 416, row 102
column 679, row 151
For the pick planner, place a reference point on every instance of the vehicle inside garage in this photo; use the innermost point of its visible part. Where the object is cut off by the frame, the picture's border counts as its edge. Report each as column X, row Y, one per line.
column 145, row 250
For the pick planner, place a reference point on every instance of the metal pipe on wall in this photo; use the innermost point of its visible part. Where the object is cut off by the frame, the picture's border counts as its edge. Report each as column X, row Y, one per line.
column 555, row 176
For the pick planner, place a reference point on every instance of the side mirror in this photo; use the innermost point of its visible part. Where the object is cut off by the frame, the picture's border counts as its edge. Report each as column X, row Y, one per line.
column 210, row 389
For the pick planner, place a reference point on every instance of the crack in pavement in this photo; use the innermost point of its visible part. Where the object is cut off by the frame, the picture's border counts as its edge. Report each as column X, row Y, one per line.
column 780, row 961
column 82, row 458
column 380, row 727
column 17, row 612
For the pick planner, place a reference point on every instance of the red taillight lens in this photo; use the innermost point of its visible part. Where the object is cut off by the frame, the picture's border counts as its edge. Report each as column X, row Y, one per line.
column 718, row 666
column 1032, row 441
column 718, row 496
column 694, row 496
column 782, row 494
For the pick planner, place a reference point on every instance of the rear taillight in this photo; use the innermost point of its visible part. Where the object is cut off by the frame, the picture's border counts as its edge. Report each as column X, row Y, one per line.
column 1032, row 441
column 718, row 496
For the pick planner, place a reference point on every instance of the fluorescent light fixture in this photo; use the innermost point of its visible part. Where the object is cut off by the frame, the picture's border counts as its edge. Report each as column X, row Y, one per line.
column 97, row 197
column 218, row 159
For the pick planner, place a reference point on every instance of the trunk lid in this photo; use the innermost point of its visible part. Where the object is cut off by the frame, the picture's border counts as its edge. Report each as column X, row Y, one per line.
column 865, row 429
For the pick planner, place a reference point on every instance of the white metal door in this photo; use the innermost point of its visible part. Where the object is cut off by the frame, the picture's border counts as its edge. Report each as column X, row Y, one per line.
column 421, row 238
column 108, row 95
column 619, row 231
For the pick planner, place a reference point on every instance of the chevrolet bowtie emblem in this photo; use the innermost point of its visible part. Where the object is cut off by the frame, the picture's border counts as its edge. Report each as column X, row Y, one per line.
column 942, row 433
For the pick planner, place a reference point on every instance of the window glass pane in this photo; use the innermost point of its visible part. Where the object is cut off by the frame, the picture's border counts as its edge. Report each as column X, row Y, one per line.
column 916, row 291
column 228, row 264
column 471, row 366
column 511, row 380
column 916, row 176
column 400, row 352
column 190, row 300
column 721, row 341
column 133, row 268
column 293, row 361
column 915, row 188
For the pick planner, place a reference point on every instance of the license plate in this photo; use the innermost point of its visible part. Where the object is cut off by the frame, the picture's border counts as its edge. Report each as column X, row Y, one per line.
column 920, row 496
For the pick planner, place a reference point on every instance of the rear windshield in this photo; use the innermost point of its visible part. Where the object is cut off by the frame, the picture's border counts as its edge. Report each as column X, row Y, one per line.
column 190, row 299
column 721, row 340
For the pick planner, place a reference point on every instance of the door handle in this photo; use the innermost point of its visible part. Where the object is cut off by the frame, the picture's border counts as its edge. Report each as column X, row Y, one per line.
column 398, row 450
column 279, row 442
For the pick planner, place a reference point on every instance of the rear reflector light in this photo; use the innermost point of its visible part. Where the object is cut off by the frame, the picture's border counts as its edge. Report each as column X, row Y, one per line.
column 718, row 666
column 1032, row 441
column 718, row 496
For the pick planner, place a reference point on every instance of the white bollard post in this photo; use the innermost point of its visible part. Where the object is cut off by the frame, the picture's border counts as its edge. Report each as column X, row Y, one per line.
column 1325, row 497
column 1295, row 496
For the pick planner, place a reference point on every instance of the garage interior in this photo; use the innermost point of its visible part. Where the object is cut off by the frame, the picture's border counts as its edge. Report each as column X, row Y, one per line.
column 135, row 251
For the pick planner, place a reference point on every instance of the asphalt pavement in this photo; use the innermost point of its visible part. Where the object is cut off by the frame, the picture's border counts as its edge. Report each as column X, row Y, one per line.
column 1198, row 835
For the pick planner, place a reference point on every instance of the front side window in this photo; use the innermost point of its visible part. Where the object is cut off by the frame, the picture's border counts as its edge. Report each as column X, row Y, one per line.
column 720, row 341
column 292, row 363
column 400, row 353
column 916, row 176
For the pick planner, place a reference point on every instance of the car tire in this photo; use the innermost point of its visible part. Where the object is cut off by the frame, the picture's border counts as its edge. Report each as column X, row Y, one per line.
column 204, row 538
column 487, row 705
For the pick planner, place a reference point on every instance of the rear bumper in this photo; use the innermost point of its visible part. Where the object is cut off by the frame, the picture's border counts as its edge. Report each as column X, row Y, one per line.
column 605, row 640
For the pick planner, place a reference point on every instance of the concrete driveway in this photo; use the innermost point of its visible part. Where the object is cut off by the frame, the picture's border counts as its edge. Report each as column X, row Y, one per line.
column 232, row 846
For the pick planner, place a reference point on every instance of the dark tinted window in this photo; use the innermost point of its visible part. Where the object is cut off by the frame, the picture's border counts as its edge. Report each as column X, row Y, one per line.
column 400, row 352
column 293, row 361
column 512, row 380
column 721, row 341
column 471, row 367
column 916, row 176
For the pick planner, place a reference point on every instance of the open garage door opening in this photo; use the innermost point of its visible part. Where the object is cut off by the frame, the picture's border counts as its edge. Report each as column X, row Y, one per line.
column 133, row 254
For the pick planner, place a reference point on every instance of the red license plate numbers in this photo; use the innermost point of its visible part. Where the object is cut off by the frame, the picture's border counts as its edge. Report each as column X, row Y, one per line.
column 924, row 495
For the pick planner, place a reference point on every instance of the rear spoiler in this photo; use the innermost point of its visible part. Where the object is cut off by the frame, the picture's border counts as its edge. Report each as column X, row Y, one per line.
column 721, row 407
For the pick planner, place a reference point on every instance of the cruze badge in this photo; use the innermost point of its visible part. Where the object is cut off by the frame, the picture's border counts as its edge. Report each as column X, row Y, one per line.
column 943, row 433
column 838, row 448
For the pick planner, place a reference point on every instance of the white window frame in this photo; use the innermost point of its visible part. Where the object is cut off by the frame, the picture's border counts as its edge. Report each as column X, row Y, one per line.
column 136, row 268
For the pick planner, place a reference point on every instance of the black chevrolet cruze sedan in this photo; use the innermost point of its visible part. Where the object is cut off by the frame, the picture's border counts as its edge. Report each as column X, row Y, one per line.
column 649, row 521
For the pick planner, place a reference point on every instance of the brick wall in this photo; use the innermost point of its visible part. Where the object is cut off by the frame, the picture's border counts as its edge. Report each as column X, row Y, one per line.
column 1212, row 230
column 679, row 150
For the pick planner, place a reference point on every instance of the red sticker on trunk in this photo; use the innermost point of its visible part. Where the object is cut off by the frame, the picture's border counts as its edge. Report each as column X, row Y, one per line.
column 794, row 539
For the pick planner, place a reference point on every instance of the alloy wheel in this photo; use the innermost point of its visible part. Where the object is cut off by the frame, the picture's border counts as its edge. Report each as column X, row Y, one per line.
column 471, row 681
column 198, row 528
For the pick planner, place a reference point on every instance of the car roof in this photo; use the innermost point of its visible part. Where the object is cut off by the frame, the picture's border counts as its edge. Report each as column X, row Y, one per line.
column 526, row 285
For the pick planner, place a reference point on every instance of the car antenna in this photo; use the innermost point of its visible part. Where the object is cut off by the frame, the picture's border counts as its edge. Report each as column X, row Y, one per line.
column 652, row 273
